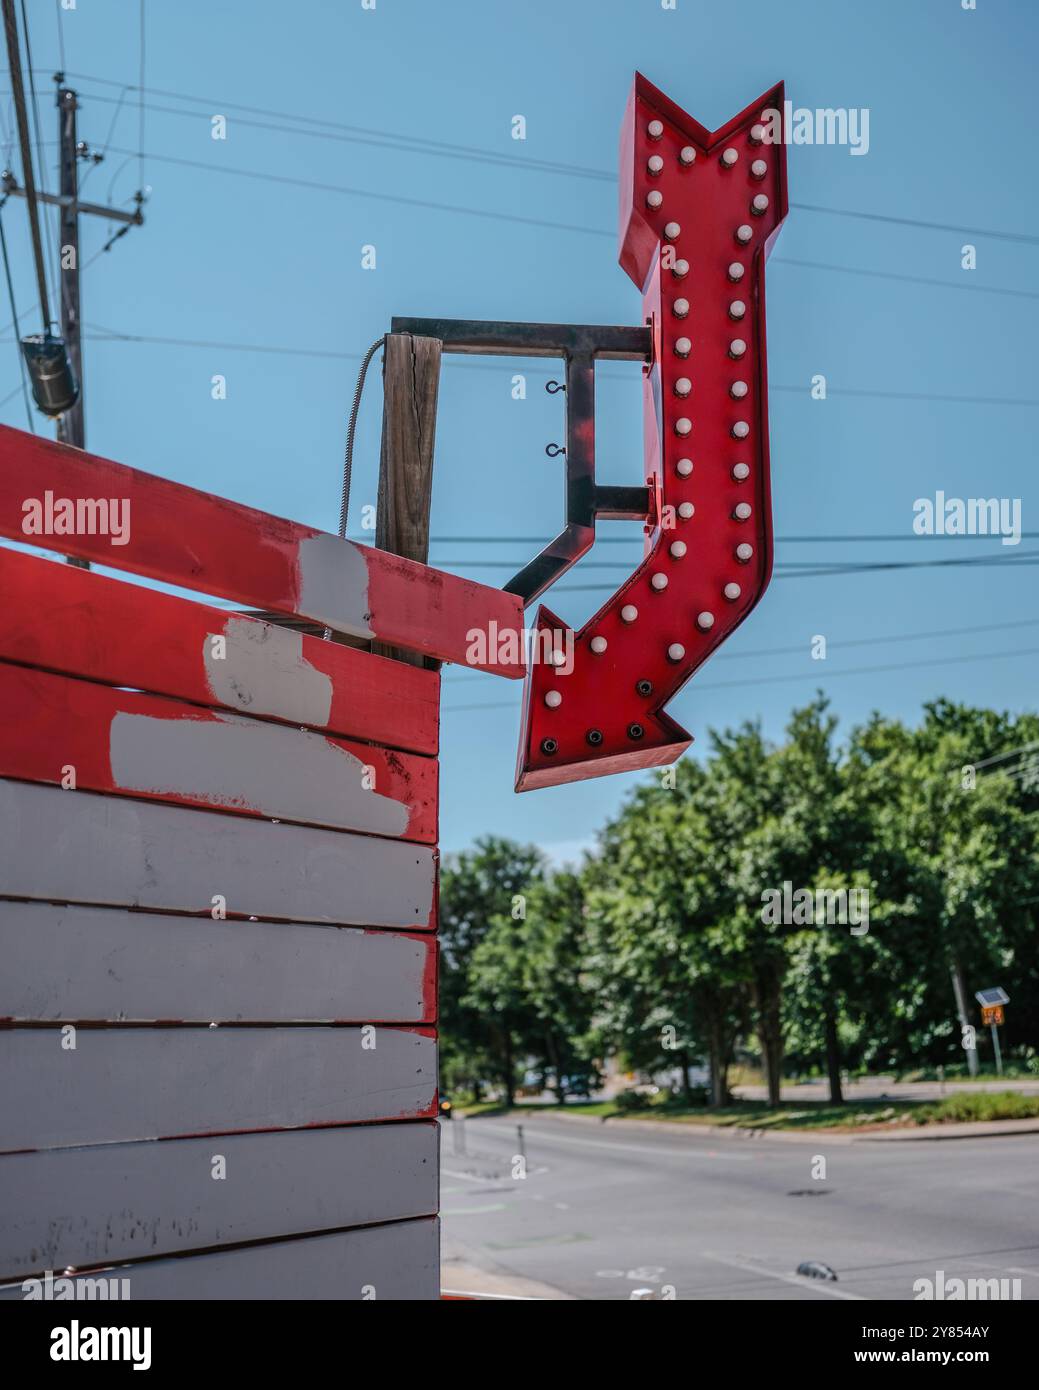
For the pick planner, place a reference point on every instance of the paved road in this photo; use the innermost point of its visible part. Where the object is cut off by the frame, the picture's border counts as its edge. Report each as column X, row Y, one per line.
column 604, row 1210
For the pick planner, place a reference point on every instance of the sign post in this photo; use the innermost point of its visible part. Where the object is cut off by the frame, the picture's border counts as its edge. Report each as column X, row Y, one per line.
column 992, row 1001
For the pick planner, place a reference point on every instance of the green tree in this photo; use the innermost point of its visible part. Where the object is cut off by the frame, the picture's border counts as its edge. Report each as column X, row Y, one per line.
column 557, row 984
column 478, row 888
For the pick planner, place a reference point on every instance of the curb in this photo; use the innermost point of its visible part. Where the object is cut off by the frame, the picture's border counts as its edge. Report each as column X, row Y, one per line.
column 971, row 1129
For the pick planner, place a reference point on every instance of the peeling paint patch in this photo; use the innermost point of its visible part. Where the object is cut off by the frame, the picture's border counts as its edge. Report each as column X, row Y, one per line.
column 239, row 763
column 333, row 584
column 264, row 671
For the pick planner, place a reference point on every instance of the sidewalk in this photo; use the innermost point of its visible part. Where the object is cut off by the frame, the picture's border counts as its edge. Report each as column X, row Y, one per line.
column 458, row 1279
column 973, row 1129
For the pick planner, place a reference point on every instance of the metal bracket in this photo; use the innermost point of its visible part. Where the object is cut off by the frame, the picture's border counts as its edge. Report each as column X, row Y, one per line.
column 579, row 345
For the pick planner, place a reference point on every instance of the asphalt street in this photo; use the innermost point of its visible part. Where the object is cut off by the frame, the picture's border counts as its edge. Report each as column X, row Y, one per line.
column 605, row 1209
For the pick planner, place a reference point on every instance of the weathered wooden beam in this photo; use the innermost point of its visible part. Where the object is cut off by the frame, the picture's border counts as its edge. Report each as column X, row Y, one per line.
column 67, row 500
column 411, row 382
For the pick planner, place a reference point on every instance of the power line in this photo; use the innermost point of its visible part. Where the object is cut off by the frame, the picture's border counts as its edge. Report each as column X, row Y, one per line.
column 510, row 217
column 377, row 139
column 806, row 565
column 1024, row 237
column 423, row 144
column 630, row 540
column 10, row 396
column 112, row 334
column 52, row 216
column 435, row 206
column 554, row 226
column 25, row 145
column 287, row 179
column 818, row 676
column 14, row 320
column 61, row 34
column 907, row 279
column 1023, row 561
column 140, row 121
column 800, row 574
column 798, row 650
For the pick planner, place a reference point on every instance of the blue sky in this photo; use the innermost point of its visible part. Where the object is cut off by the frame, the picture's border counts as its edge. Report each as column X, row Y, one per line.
column 274, row 262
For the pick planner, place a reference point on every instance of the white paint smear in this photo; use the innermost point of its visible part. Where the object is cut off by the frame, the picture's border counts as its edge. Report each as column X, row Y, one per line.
column 333, row 584
column 234, row 762
column 264, row 671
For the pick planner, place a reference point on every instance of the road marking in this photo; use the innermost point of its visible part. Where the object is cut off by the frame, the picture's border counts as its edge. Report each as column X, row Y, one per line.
column 473, row 1211
column 626, row 1148
column 468, row 1177
column 501, row 1297
column 814, row 1285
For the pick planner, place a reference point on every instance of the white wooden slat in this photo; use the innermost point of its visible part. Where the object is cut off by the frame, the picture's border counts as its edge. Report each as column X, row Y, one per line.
column 73, row 846
column 392, row 1262
column 152, row 1083
column 105, row 964
column 113, row 1202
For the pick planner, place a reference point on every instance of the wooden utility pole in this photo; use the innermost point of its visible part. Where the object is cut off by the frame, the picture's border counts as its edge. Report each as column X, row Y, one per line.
column 70, row 425
column 411, row 381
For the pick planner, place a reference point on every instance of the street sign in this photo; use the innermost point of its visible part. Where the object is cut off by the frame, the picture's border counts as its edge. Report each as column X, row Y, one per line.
column 988, row 997
column 992, row 1001
column 699, row 213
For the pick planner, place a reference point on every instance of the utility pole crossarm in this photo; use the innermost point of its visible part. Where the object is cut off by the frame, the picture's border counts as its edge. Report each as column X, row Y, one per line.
column 110, row 214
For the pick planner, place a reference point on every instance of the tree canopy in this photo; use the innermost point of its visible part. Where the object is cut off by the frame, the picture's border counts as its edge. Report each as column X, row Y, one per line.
column 809, row 900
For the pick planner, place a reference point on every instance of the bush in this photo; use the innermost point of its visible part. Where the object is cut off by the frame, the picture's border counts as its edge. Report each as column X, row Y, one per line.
column 627, row 1101
column 698, row 1097
column 979, row 1105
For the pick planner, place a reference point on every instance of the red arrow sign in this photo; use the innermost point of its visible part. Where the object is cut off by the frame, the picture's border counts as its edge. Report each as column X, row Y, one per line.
column 698, row 215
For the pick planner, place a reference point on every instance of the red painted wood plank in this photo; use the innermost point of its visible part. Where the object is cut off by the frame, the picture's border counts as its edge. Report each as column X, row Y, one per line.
column 117, row 742
column 76, row 621
column 67, row 500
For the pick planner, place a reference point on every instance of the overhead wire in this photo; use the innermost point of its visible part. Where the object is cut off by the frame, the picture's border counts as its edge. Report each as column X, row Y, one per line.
column 49, row 214
column 427, row 144
column 25, row 147
column 61, row 34
column 141, row 104
column 424, row 145
column 14, row 320
column 815, row 676
column 467, row 364
column 758, row 653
